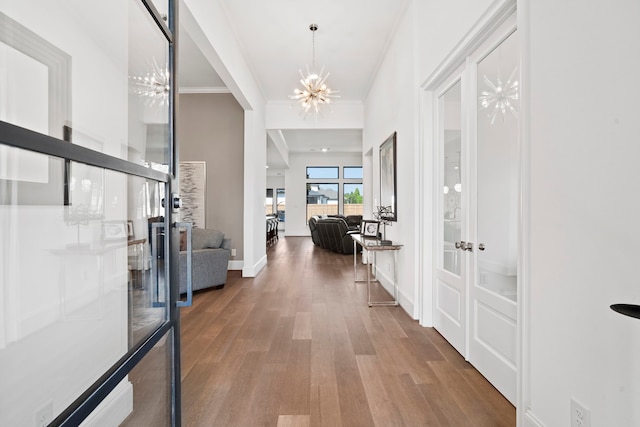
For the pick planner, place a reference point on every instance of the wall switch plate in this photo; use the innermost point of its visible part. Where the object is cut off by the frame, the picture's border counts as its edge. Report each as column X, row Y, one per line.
column 580, row 415
column 233, row 252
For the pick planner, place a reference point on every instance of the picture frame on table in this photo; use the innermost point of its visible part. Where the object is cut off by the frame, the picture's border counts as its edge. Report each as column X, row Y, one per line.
column 369, row 228
column 114, row 231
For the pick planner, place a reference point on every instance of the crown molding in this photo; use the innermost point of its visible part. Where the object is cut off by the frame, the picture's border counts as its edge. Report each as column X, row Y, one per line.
column 204, row 90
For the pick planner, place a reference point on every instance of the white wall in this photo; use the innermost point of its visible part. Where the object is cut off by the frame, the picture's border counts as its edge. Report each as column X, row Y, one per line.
column 275, row 182
column 583, row 95
column 296, row 185
column 212, row 34
column 338, row 115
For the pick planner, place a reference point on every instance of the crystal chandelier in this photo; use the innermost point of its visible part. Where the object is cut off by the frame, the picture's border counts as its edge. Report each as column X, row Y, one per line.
column 500, row 97
column 153, row 85
column 314, row 90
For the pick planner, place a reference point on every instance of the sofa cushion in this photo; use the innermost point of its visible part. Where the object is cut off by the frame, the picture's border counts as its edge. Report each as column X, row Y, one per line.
column 206, row 238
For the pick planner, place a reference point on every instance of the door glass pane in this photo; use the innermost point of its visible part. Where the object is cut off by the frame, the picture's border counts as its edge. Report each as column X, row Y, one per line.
column 75, row 281
column 451, row 178
column 71, row 76
column 498, row 76
column 151, row 384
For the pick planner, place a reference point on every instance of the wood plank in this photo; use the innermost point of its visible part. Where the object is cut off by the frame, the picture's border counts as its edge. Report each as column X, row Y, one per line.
column 359, row 337
column 297, row 380
column 354, row 407
column 383, row 409
column 293, row 421
column 302, row 326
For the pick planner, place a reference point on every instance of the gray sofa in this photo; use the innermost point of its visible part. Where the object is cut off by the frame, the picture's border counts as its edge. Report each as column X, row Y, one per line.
column 211, row 253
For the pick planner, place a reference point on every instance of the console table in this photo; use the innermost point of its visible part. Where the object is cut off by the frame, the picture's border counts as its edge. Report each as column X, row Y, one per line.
column 372, row 245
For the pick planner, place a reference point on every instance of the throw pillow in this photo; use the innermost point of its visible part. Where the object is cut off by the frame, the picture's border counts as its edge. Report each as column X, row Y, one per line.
column 206, row 238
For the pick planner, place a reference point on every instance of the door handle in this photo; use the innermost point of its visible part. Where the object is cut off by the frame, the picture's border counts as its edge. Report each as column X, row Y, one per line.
column 481, row 247
column 465, row 246
column 189, row 227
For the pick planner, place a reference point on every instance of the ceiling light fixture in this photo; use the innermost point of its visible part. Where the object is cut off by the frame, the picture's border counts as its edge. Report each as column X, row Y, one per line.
column 500, row 97
column 314, row 90
column 153, row 85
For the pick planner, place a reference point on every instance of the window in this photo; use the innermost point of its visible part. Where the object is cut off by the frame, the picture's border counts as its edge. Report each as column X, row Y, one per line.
column 352, row 199
column 322, row 199
column 268, row 203
column 352, row 172
column 280, row 204
column 322, row 172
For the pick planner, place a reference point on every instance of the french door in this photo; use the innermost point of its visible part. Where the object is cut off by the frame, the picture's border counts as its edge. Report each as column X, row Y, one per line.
column 450, row 298
column 494, row 71
column 477, row 217
column 89, row 329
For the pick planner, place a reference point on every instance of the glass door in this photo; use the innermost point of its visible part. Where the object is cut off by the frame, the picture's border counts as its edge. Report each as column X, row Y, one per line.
column 450, row 286
column 493, row 282
column 89, row 331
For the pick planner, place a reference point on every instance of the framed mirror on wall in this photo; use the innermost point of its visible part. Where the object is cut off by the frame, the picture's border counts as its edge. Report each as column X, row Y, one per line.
column 35, row 94
column 388, row 186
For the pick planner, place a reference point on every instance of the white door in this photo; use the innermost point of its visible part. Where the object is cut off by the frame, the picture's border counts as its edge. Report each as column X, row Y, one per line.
column 450, row 288
column 494, row 71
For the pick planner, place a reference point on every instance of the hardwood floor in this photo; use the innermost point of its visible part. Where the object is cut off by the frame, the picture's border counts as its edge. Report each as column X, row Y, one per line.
column 298, row 346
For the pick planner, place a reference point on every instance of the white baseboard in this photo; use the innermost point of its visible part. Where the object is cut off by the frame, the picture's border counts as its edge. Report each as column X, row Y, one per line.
column 530, row 420
column 236, row 264
column 253, row 271
column 403, row 301
column 114, row 409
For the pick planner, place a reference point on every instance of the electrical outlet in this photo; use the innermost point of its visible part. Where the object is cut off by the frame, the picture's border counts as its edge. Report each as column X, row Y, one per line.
column 580, row 415
column 233, row 252
column 44, row 415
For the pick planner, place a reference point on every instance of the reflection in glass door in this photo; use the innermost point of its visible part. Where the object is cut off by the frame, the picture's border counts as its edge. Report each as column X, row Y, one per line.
column 85, row 150
column 450, row 287
column 493, row 296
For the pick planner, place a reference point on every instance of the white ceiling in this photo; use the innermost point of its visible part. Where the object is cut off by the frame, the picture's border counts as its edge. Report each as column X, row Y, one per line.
column 276, row 42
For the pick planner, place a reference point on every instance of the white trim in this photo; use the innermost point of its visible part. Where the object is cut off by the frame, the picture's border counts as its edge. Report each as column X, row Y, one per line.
column 336, row 102
column 387, row 283
column 204, row 90
column 253, row 271
column 235, row 264
column 113, row 410
column 494, row 16
column 530, row 420
column 523, row 376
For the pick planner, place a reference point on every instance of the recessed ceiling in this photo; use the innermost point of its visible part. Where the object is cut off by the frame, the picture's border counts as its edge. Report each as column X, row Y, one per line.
column 276, row 42
column 350, row 41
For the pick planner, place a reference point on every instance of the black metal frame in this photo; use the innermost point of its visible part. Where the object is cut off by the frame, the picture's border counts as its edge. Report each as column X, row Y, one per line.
column 27, row 139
